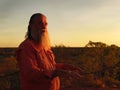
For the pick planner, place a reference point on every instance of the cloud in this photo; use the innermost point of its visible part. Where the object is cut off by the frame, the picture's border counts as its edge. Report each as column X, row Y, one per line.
column 7, row 7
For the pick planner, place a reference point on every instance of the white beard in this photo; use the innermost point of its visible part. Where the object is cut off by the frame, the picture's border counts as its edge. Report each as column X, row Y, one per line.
column 45, row 41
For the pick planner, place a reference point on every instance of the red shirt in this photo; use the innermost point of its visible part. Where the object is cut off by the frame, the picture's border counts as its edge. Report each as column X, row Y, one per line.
column 32, row 62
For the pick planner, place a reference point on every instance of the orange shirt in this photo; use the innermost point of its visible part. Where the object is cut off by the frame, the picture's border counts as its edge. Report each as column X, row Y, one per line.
column 32, row 62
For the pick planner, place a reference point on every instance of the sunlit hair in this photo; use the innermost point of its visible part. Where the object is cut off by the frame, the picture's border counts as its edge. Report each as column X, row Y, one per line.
column 44, row 39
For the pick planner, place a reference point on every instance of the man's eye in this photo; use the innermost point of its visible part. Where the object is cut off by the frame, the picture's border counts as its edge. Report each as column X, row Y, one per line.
column 41, row 24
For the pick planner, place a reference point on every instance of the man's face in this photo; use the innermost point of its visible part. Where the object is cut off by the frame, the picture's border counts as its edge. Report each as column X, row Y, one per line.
column 38, row 27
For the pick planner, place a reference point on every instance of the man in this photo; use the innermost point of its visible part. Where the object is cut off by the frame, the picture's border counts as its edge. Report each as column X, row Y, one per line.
column 38, row 70
column 35, row 58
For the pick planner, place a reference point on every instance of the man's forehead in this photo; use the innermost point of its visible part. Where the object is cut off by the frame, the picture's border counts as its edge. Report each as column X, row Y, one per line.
column 40, row 18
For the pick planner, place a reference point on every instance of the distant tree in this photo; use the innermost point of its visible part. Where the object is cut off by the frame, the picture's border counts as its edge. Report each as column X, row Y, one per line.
column 113, row 46
column 96, row 44
column 59, row 46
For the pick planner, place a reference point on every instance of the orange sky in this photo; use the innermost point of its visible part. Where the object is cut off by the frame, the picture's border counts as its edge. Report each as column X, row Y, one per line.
column 71, row 22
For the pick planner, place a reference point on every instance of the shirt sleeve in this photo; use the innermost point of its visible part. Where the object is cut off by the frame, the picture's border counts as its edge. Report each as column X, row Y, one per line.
column 65, row 66
column 59, row 66
column 28, row 65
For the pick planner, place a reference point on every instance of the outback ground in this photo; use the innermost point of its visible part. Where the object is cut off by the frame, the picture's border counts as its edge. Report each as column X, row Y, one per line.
column 101, row 63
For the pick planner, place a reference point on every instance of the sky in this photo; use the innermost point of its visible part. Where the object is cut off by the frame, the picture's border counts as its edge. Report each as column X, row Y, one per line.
column 70, row 22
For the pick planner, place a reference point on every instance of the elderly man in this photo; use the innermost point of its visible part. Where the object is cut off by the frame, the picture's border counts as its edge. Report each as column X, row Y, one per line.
column 38, row 70
column 35, row 58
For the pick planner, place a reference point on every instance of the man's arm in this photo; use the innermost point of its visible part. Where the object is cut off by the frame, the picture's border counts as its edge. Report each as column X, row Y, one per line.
column 66, row 70
column 64, row 66
column 67, row 66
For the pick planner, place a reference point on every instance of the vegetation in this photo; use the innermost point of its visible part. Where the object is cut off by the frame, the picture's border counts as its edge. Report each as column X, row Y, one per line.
column 100, row 62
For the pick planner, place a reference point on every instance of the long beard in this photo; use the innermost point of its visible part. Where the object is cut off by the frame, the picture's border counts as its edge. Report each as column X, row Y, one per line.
column 45, row 41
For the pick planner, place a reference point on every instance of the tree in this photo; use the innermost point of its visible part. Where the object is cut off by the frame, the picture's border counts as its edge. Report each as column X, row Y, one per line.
column 96, row 44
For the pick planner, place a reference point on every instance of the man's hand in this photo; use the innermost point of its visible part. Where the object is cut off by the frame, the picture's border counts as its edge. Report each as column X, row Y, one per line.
column 52, row 74
column 62, row 73
column 55, row 73
column 65, row 73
